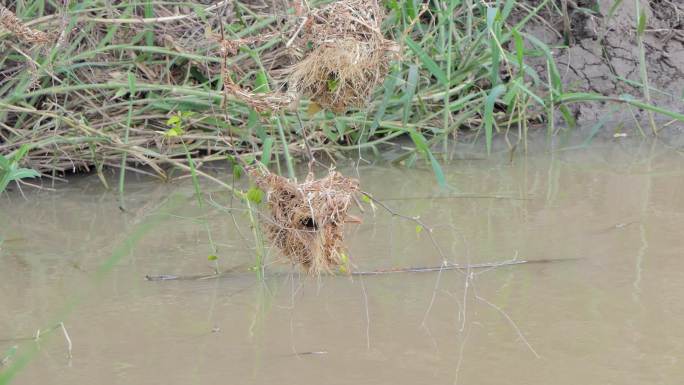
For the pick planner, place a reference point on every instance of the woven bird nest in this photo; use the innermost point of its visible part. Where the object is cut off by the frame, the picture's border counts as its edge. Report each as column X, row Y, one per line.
column 348, row 55
column 306, row 221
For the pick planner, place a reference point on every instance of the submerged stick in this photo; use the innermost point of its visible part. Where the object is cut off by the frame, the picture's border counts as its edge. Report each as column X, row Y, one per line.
column 420, row 269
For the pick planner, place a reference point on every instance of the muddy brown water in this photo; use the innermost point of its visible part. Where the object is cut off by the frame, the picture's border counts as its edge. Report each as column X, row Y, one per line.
column 613, row 316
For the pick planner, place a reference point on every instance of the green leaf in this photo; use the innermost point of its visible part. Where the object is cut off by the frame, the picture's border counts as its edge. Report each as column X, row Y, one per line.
column 173, row 132
column 529, row 92
column 388, row 85
column 567, row 116
column 411, row 84
column 341, row 127
column 419, row 229
column 427, row 61
column 332, row 85
column 237, row 171
column 437, row 169
column 596, row 128
column 555, row 75
column 573, row 97
column 508, row 7
column 411, row 9
column 255, row 195
column 365, row 198
column 212, row 258
column 493, row 46
column 420, row 141
column 266, row 151
column 613, row 8
column 4, row 163
column 173, row 120
column 519, row 49
column 332, row 136
column 131, row 83
column 9, row 168
column 261, row 82
column 344, row 266
column 489, row 114
column 423, row 147
column 254, row 125
column 120, row 92
column 21, row 153
column 24, row 173
column 491, row 17
column 641, row 23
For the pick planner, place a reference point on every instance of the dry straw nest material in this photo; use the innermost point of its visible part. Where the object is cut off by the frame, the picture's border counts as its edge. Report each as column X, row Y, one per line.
column 10, row 22
column 262, row 101
column 306, row 221
column 349, row 55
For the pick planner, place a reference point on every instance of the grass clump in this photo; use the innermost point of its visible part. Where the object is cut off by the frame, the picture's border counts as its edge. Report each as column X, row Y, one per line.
column 96, row 95
column 350, row 55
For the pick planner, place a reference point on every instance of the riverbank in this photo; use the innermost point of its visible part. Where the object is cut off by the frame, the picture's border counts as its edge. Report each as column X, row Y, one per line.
column 144, row 88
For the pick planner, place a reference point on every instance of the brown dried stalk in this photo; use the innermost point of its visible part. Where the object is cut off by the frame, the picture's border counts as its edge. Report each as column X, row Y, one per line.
column 27, row 35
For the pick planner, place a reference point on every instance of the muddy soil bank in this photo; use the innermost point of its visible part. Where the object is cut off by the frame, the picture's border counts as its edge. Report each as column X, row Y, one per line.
column 603, row 56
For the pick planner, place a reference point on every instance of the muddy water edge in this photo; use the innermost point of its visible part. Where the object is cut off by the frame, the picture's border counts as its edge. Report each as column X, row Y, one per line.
column 611, row 315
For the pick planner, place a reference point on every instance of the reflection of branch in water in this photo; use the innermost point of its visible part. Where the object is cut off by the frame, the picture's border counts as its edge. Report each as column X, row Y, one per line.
column 365, row 302
column 445, row 263
column 460, row 354
column 40, row 333
column 68, row 339
column 513, row 324
column 416, row 220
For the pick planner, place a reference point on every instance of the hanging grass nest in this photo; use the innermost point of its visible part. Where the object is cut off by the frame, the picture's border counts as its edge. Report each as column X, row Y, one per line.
column 347, row 54
column 306, row 220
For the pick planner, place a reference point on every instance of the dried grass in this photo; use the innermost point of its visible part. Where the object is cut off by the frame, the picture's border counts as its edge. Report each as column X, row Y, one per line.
column 306, row 221
column 263, row 101
column 27, row 35
column 350, row 55
column 272, row 101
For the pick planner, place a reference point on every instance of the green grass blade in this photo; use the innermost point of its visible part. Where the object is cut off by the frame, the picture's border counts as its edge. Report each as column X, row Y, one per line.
column 388, row 85
column 266, row 151
column 411, row 84
column 422, row 147
column 489, row 114
column 427, row 61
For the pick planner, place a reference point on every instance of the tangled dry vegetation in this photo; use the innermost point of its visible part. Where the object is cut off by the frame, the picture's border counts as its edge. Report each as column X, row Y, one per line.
column 335, row 55
column 83, row 100
column 11, row 23
column 307, row 220
column 350, row 55
column 339, row 53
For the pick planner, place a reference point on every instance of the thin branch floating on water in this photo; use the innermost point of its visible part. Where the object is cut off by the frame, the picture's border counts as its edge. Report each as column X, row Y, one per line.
column 424, row 269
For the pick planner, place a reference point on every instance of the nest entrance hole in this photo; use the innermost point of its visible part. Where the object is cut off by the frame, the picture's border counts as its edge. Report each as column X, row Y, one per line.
column 306, row 221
